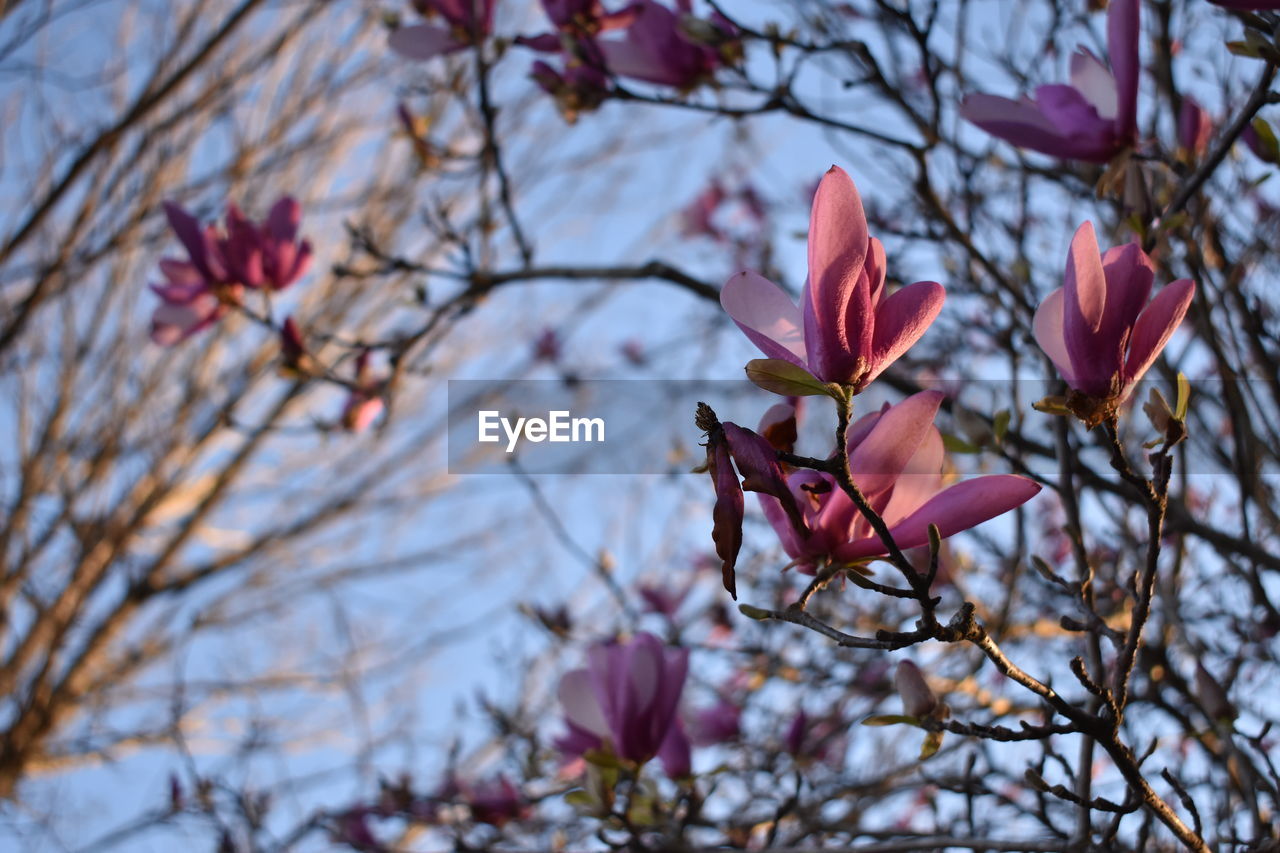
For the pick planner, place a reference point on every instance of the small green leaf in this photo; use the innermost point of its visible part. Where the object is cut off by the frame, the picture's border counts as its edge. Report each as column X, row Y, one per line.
column 754, row 612
column 1052, row 406
column 783, row 377
column 1184, row 397
column 581, row 800
column 1266, row 138
column 932, row 743
column 890, row 720
column 955, row 444
column 1000, row 424
column 1240, row 48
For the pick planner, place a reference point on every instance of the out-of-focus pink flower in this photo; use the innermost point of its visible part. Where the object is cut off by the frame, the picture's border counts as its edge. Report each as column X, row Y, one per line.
column 720, row 723
column 634, row 352
column 1098, row 328
column 364, row 403
column 353, row 830
column 189, row 302
column 697, row 219
column 657, row 48
column 1195, row 127
column 494, row 801
column 465, row 23
column 1093, row 118
column 198, row 291
column 918, row 699
column 895, row 457
column 267, row 255
column 625, row 702
column 295, row 361
column 578, row 88
column 576, row 20
column 823, row 739
column 663, row 600
column 547, row 346
column 846, row 330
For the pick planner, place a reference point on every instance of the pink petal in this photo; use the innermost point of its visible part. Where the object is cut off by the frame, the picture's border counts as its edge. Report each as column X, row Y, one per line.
column 423, row 41
column 1019, row 123
column 880, row 458
column 581, row 707
column 1048, row 331
column 838, row 307
column 1129, row 274
column 1123, row 36
column 919, row 481
column 1091, row 78
column 1094, row 359
column 766, row 315
column 1155, row 325
column 901, row 320
column 962, row 506
column 282, row 221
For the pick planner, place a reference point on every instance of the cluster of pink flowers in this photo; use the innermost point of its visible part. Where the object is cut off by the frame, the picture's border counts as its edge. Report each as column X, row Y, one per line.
column 221, row 264
column 1098, row 329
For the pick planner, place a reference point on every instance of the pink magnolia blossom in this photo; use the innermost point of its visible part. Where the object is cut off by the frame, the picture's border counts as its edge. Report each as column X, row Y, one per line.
column 266, row 255
column 1098, row 328
column 576, row 20
column 719, row 723
column 197, row 292
column 364, row 403
column 494, row 801
column 1195, row 127
column 657, row 48
column 918, row 700
column 822, row 739
column 895, row 457
column 847, row 328
column 465, row 23
column 577, row 88
column 1093, row 118
column 625, row 702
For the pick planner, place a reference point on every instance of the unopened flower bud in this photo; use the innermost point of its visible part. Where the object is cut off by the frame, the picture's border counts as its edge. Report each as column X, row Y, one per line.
column 917, row 699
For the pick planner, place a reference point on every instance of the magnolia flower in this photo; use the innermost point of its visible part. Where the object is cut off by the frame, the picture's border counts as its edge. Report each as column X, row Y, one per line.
column 576, row 20
column 847, row 329
column 1093, row 118
column 1195, row 127
column 364, row 403
column 494, row 801
column 245, row 253
column 578, row 88
column 720, row 723
column 466, row 22
column 656, row 49
column 1098, row 328
column 266, row 255
column 625, row 703
column 895, row 458
column 197, row 292
column 918, row 699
